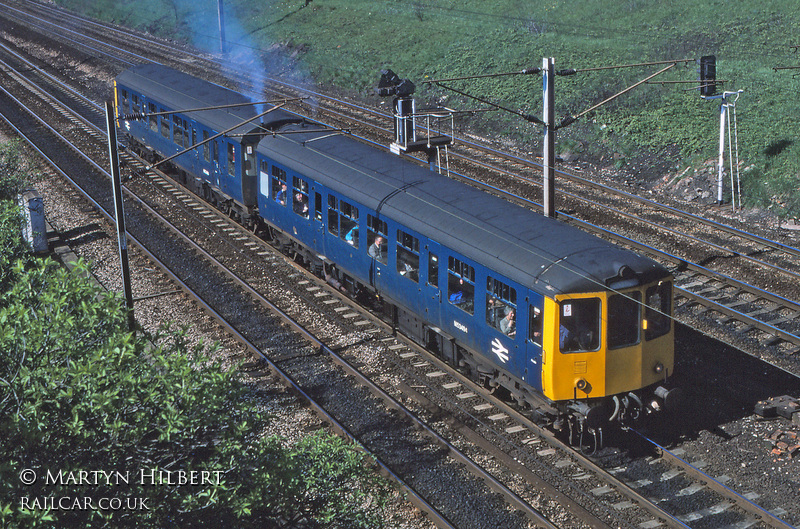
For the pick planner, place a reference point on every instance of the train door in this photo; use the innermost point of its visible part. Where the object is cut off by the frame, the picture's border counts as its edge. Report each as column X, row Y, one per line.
column 431, row 287
column 534, row 341
column 249, row 174
column 378, row 251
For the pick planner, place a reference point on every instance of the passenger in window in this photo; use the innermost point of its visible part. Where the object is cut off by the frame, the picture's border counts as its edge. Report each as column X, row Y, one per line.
column 508, row 325
column 351, row 237
column 280, row 198
column 301, row 205
column 376, row 250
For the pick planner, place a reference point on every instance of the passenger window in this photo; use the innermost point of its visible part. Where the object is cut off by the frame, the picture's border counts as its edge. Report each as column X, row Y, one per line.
column 135, row 106
column 501, row 306
column 279, row 189
column 300, row 196
column 177, row 131
column 231, row 159
column 658, row 310
column 535, row 325
column 318, row 206
column 376, row 238
column 624, row 319
column 164, row 125
column 580, row 325
column 433, row 270
column 408, row 256
column 348, row 223
column 151, row 109
column 123, row 101
column 333, row 215
column 461, row 285
column 206, row 147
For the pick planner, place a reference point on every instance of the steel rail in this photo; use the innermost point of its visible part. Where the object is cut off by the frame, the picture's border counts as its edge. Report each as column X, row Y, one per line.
column 515, row 500
column 743, row 503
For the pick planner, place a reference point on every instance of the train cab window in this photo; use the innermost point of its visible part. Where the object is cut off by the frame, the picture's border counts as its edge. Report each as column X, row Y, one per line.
column 624, row 319
column 580, row 325
column 535, row 325
column 501, row 306
column 206, row 147
column 279, row 188
column 231, row 159
column 658, row 310
column 300, row 197
column 461, row 285
column 433, row 270
column 377, row 228
column 408, row 256
column 152, row 111
column 318, row 206
column 348, row 223
column 164, row 125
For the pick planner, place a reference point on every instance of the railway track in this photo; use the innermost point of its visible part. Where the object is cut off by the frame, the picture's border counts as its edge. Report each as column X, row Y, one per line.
column 492, row 419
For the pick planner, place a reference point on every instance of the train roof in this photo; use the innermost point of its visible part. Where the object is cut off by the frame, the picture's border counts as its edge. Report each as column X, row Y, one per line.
column 531, row 249
column 526, row 247
column 179, row 91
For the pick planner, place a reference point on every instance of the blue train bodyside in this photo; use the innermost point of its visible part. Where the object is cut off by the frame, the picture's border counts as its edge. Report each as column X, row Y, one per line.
column 454, row 260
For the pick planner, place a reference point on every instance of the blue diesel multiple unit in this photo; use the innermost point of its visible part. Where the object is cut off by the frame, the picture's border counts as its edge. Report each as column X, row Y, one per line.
column 565, row 321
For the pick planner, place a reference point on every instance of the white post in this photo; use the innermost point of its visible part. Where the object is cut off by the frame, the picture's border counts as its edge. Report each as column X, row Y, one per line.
column 548, row 94
column 722, row 112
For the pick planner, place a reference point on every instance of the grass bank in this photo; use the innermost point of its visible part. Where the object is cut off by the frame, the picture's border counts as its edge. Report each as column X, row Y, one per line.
column 345, row 43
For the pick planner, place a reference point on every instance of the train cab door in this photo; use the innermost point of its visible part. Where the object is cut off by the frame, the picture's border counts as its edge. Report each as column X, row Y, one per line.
column 431, row 286
column 534, row 341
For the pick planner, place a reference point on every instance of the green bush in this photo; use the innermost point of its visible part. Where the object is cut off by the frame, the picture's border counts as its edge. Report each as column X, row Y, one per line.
column 98, row 413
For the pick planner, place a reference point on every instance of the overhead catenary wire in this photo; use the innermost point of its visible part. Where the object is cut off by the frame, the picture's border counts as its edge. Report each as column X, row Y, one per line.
column 571, row 119
column 527, row 117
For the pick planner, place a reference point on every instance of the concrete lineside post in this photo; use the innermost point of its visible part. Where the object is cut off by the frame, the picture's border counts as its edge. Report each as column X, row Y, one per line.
column 119, row 213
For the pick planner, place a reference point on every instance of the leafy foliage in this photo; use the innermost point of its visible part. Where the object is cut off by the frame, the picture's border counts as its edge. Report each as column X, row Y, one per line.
column 154, row 427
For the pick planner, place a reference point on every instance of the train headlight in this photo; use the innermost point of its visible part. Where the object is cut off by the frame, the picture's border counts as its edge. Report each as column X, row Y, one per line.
column 658, row 368
column 583, row 385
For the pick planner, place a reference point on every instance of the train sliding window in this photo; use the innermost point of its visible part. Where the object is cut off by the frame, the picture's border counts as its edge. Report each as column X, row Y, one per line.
column 136, row 107
column 433, row 270
column 535, row 325
column 231, row 159
column 580, row 325
column 206, row 147
column 461, row 285
column 501, row 306
column 279, row 189
column 164, row 124
column 624, row 319
column 123, row 102
column 348, row 223
column 179, row 132
column 300, row 196
column 152, row 110
column 658, row 313
column 318, row 206
column 408, row 256
column 333, row 215
column 377, row 228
